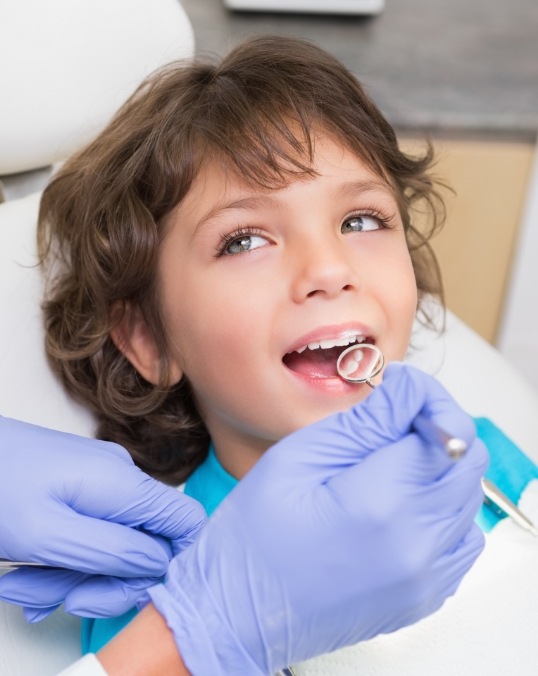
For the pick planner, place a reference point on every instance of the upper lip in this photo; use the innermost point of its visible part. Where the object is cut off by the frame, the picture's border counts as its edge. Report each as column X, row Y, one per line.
column 330, row 336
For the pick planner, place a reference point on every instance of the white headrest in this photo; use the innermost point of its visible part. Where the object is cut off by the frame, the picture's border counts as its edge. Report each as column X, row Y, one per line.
column 28, row 389
column 67, row 66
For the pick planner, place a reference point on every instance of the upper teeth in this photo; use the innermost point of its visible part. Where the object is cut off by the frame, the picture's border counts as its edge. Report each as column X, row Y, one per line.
column 346, row 339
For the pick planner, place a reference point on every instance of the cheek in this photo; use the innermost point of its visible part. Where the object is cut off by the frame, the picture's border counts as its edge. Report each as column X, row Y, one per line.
column 406, row 284
column 215, row 329
column 405, row 298
column 399, row 291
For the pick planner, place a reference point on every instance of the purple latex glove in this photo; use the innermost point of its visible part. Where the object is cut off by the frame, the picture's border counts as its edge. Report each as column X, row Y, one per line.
column 351, row 527
column 79, row 504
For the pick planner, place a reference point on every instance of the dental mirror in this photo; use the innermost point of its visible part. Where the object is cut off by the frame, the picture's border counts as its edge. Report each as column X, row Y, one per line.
column 360, row 363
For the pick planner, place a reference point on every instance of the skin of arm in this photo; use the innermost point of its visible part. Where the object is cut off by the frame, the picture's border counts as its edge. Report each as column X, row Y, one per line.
column 145, row 647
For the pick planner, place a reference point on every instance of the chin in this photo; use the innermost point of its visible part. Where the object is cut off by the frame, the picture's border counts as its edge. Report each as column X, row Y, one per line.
column 312, row 417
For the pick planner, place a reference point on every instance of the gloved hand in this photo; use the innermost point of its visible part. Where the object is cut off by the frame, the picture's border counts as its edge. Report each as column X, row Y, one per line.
column 351, row 527
column 78, row 503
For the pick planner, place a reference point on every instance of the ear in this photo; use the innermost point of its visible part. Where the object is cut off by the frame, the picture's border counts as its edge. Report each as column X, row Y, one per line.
column 131, row 335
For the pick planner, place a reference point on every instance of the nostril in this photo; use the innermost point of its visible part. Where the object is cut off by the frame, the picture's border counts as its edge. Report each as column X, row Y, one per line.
column 314, row 292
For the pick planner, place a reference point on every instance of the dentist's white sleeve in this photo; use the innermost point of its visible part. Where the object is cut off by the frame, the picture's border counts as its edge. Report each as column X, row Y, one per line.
column 89, row 665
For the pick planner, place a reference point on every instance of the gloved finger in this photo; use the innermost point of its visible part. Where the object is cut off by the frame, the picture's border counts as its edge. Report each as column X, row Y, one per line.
column 96, row 546
column 405, row 392
column 458, row 485
column 35, row 615
column 457, row 563
column 403, row 469
column 38, row 588
column 134, row 499
column 40, row 591
column 420, row 462
column 435, row 509
column 100, row 480
column 100, row 596
column 449, row 571
column 426, row 395
column 443, row 532
column 452, row 529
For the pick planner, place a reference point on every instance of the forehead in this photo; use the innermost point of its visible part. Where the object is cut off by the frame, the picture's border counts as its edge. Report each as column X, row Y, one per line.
column 338, row 168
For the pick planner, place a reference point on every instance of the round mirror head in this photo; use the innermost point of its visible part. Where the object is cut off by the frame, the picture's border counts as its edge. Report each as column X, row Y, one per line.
column 359, row 363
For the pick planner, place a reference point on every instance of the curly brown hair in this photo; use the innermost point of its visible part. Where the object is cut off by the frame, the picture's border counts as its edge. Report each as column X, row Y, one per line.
column 104, row 214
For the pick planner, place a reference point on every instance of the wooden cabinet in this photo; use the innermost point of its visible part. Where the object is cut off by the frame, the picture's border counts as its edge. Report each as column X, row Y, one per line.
column 475, row 248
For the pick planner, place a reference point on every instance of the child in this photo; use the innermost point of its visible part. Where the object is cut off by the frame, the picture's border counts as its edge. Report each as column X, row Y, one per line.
column 217, row 247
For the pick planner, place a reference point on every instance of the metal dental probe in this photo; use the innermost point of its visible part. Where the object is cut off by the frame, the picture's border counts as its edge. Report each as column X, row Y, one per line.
column 362, row 362
column 503, row 502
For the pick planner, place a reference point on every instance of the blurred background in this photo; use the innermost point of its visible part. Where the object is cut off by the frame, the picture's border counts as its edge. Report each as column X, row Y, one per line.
column 464, row 74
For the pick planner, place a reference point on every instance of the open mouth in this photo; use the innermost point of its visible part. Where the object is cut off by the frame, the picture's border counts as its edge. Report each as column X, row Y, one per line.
column 318, row 359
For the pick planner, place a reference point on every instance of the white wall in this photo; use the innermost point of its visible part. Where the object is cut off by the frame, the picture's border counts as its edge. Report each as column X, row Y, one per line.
column 518, row 336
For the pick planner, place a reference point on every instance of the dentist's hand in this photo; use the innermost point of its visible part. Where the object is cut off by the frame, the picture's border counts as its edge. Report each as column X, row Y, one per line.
column 78, row 504
column 351, row 527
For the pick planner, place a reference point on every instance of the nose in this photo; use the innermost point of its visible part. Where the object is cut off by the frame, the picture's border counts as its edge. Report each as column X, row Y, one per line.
column 324, row 270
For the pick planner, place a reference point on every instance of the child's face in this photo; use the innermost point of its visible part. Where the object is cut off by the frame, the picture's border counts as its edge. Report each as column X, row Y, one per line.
column 249, row 276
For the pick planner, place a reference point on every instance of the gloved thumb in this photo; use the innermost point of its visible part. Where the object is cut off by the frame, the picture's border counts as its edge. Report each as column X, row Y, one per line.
column 390, row 411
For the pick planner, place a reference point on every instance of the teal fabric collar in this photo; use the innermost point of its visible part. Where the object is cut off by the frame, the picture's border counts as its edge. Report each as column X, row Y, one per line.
column 210, row 483
column 509, row 469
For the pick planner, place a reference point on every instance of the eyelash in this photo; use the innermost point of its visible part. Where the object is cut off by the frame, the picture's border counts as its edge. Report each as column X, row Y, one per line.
column 238, row 233
column 248, row 231
column 385, row 221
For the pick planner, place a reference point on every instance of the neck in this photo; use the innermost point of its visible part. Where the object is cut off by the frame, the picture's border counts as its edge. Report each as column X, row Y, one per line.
column 239, row 455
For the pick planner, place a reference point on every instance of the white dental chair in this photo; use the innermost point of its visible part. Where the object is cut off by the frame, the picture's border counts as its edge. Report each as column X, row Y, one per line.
column 67, row 65
column 137, row 36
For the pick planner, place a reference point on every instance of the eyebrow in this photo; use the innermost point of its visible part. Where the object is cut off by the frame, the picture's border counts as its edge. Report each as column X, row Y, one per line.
column 348, row 189
column 353, row 188
column 245, row 203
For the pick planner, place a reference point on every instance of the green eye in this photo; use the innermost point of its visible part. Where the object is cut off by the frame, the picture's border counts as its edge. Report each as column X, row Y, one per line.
column 360, row 224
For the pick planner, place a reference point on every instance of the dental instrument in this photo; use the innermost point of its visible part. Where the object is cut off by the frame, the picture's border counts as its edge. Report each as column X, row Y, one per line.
column 362, row 362
column 6, row 564
column 503, row 503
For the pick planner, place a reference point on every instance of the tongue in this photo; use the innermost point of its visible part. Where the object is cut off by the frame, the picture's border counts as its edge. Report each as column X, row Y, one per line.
column 314, row 363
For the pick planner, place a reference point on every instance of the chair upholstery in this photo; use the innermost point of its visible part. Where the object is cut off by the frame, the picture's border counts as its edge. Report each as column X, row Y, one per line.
column 67, row 65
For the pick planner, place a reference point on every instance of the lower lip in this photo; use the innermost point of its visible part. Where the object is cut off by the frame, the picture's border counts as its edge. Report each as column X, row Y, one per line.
column 335, row 386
